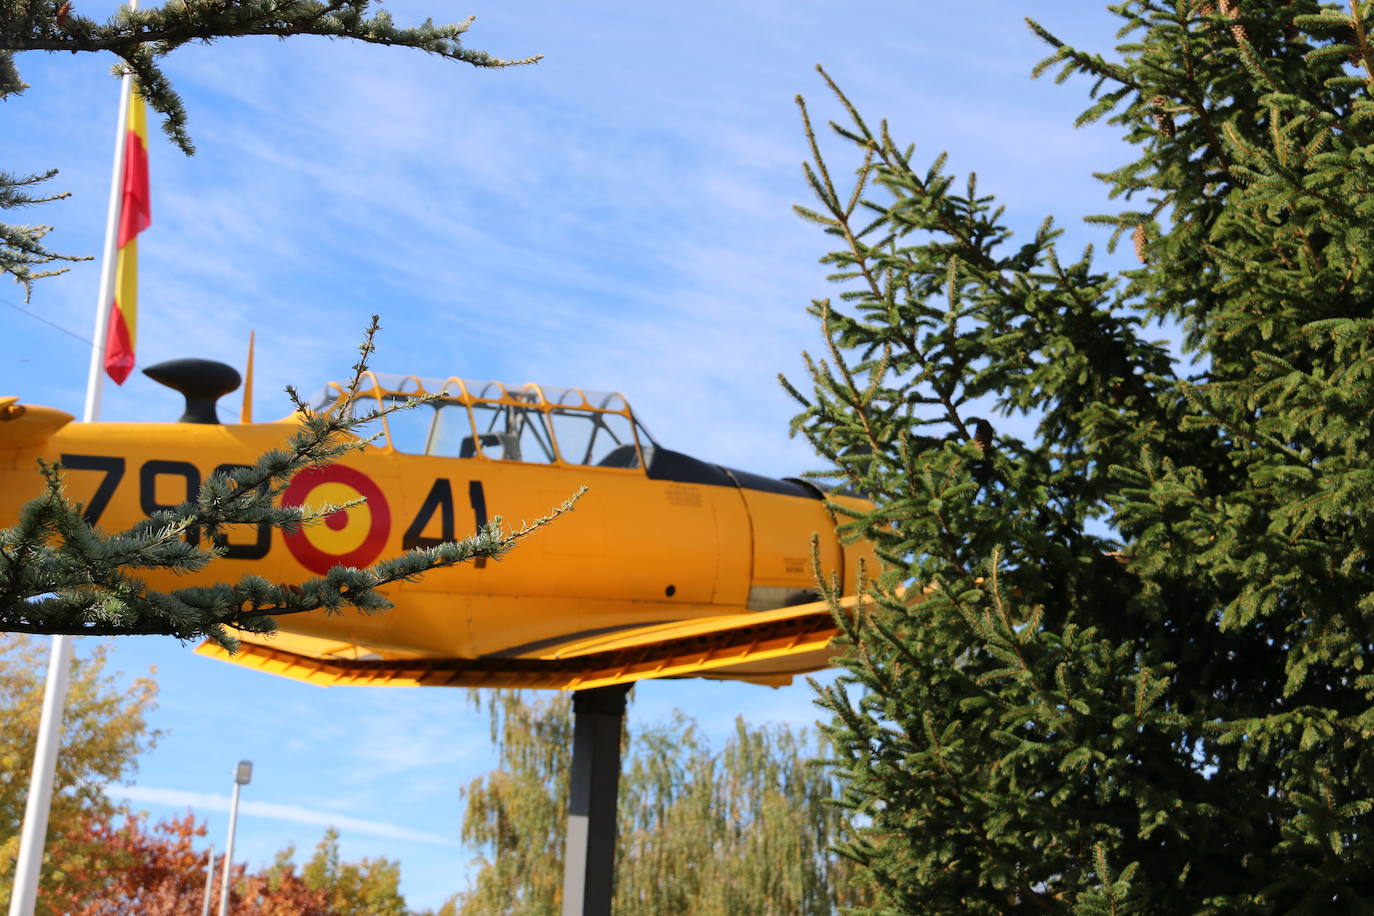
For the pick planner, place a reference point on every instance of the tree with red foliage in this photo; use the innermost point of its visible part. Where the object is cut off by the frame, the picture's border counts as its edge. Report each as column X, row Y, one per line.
column 158, row 872
column 155, row 872
column 278, row 891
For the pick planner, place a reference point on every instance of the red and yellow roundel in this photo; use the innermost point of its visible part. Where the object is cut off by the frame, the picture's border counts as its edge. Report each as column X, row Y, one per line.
column 349, row 537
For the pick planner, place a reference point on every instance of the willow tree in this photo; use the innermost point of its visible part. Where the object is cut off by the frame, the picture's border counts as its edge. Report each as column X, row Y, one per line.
column 1121, row 663
column 743, row 829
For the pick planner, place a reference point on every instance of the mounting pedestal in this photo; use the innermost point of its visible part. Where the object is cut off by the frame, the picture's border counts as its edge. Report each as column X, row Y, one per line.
column 589, row 857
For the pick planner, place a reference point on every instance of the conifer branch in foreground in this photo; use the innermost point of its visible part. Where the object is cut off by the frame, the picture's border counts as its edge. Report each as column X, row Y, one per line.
column 59, row 575
column 141, row 38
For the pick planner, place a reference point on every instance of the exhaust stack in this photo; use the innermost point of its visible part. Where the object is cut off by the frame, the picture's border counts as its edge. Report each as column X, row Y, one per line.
column 201, row 381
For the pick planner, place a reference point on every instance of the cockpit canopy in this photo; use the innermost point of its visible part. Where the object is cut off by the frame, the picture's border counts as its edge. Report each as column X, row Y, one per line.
column 488, row 420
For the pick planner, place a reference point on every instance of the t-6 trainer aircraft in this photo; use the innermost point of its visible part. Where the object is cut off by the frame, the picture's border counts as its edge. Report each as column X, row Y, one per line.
column 670, row 566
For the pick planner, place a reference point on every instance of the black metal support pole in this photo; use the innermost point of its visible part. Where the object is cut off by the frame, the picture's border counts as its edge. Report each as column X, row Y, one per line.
column 589, row 859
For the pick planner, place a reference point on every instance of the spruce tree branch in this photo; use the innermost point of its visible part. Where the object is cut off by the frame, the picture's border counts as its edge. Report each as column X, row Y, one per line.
column 1198, row 103
column 140, row 38
column 1087, row 63
column 828, row 330
column 21, row 247
column 60, row 575
column 944, row 394
column 170, row 28
column 841, row 219
column 971, row 824
column 1281, row 170
column 1366, row 51
column 1230, row 10
column 492, row 543
column 14, row 193
column 861, row 253
column 841, row 214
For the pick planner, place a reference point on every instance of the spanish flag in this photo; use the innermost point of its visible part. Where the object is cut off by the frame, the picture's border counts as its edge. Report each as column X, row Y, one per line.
column 134, row 217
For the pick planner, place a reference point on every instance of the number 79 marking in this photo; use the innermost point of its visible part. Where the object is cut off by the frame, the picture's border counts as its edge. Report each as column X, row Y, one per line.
column 114, row 473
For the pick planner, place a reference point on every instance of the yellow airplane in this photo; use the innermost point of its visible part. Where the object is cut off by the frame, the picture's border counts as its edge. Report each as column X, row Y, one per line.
column 669, row 567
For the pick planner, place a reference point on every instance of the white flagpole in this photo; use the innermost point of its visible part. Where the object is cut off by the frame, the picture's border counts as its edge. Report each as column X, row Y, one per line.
column 95, row 378
column 34, row 834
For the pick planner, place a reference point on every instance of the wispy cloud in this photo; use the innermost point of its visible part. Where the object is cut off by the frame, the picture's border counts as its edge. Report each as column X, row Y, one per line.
column 296, row 814
column 392, row 738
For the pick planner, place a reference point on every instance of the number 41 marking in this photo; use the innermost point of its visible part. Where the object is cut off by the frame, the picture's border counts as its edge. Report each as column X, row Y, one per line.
column 440, row 500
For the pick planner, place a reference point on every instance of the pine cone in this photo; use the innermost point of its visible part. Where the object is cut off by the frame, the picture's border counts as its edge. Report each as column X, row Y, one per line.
column 1163, row 119
column 1231, row 10
column 982, row 436
column 1139, row 239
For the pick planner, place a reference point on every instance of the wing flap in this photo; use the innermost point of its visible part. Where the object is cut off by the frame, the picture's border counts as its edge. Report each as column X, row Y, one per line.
column 769, row 647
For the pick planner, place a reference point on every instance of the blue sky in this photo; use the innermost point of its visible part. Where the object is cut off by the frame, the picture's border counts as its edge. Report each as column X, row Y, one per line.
column 616, row 217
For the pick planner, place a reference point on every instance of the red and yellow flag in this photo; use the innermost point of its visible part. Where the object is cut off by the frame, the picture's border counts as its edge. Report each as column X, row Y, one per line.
column 134, row 217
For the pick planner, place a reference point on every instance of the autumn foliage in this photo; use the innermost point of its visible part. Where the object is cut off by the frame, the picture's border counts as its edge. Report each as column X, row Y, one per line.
column 152, row 871
column 102, row 861
column 105, row 730
column 156, row 871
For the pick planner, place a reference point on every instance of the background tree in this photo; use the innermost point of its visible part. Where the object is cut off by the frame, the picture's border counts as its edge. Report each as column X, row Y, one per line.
column 104, row 730
column 371, row 887
column 101, row 860
column 517, row 813
column 157, row 872
column 717, row 833
column 1118, row 665
column 276, row 891
column 746, row 829
column 140, row 38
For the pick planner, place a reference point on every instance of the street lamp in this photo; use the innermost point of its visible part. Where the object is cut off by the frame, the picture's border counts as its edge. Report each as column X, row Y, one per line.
column 209, row 880
column 243, row 775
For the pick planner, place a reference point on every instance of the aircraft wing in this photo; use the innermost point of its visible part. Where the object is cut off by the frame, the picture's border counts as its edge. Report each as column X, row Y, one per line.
column 767, row 647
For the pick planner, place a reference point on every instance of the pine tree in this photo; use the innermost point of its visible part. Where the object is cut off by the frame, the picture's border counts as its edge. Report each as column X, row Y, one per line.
column 1118, row 664
column 714, row 833
column 140, row 38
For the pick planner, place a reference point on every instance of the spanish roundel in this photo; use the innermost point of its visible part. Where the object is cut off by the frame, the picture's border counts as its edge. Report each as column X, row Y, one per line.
column 349, row 537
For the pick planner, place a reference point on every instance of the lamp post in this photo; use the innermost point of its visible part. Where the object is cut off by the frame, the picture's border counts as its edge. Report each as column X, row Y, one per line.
column 242, row 776
column 209, row 880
